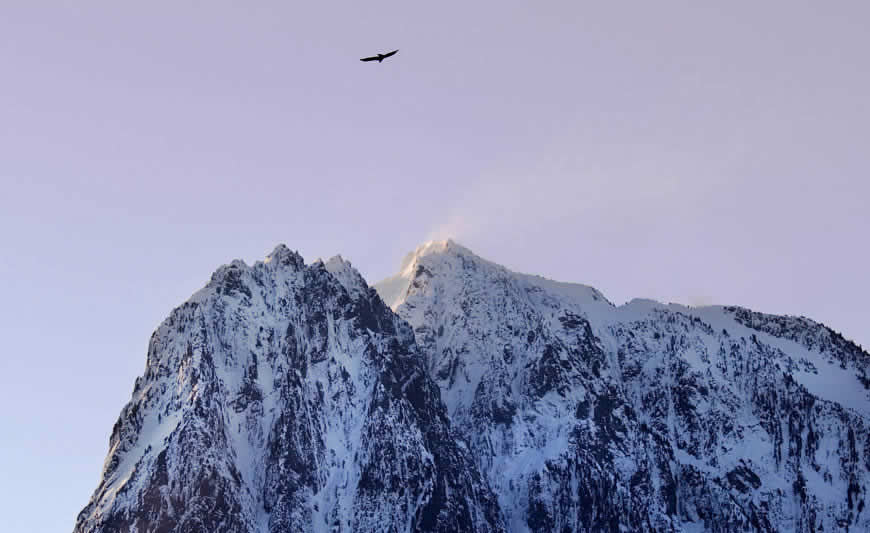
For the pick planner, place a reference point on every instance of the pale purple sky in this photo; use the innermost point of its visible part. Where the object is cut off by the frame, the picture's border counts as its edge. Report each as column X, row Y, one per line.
column 651, row 149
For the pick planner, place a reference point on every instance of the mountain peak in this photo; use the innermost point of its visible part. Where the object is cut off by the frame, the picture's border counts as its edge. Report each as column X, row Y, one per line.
column 347, row 275
column 428, row 248
column 283, row 256
column 393, row 289
column 273, row 402
column 448, row 257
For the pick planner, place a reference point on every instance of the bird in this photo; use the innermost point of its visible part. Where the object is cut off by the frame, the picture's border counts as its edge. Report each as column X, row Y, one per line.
column 379, row 57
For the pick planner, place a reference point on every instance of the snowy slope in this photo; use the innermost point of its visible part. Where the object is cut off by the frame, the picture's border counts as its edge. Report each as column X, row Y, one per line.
column 285, row 397
column 586, row 416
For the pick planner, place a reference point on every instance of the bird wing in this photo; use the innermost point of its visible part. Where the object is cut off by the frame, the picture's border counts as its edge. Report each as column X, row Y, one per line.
column 391, row 53
column 373, row 58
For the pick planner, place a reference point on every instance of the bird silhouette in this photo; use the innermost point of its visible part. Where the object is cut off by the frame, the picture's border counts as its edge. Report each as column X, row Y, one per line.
column 379, row 57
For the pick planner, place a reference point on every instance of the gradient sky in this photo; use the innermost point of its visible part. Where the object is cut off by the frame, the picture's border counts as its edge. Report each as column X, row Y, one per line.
column 674, row 150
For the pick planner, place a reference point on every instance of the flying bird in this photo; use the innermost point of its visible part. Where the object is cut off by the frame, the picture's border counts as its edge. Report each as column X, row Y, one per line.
column 379, row 57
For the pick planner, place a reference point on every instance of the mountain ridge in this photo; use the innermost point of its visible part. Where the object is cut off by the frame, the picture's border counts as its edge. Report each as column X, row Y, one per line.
column 515, row 365
column 458, row 395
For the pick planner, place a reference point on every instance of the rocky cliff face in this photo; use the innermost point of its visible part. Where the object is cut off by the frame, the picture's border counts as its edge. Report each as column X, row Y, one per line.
column 285, row 397
column 585, row 416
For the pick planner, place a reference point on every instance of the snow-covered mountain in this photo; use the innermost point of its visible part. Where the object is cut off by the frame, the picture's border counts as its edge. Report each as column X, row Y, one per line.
column 585, row 416
column 289, row 397
column 284, row 397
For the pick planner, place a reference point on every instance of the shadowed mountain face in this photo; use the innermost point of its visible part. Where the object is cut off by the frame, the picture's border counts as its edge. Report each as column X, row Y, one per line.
column 285, row 397
column 589, row 417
